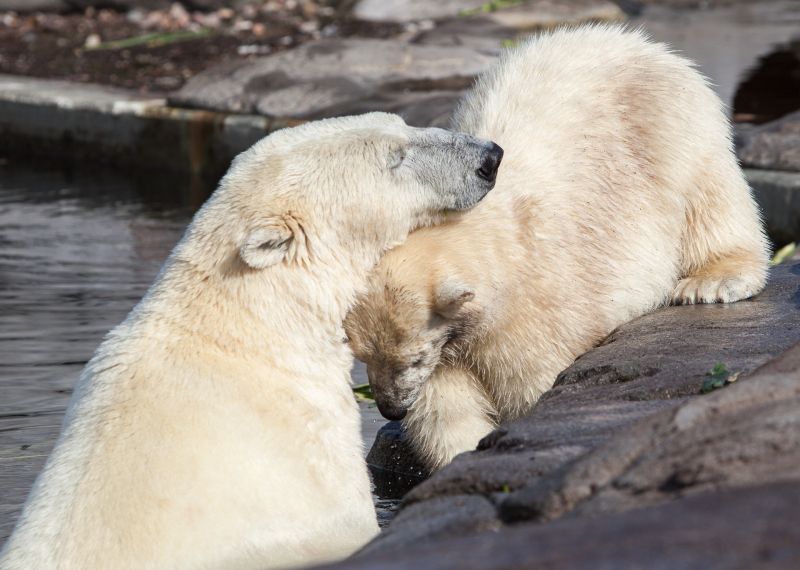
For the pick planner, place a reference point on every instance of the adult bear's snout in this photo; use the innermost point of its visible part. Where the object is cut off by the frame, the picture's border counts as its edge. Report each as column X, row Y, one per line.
column 490, row 162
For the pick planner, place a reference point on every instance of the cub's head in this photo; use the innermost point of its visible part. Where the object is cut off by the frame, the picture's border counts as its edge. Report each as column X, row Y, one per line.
column 346, row 186
column 402, row 332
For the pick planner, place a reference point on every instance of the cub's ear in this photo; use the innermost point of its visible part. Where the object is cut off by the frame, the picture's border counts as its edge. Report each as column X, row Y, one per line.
column 276, row 239
column 451, row 296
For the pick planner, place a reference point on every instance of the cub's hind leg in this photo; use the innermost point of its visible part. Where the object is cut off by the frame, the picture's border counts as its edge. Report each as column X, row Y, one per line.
column 724, row 251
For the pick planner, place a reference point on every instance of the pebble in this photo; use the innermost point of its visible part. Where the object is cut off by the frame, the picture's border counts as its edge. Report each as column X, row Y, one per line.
column 92, row 41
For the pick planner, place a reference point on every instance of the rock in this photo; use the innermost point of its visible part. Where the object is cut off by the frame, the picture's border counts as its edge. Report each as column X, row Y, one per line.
column 442, row 518
column 626, row 425
column 120, row 4
column 479, row 33
column 392, row 463
column 527, row 15
column 213, row 4
column 538, row 14
column 341, row 76
column 130, row 131
column 411, row 10
column 748, row 528
column 775, row 145
column 26, row 6
column 123, row 5
column 778, row 195
column 532, row 447
column 492, row 31
column 692, row 4
column 745, row 434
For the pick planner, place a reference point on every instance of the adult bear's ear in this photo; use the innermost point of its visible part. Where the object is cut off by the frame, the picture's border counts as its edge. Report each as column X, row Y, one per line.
column 276, row 239
column 451, row 296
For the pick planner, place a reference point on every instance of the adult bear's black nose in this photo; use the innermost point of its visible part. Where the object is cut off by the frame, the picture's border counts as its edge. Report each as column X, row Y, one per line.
column 490, row 162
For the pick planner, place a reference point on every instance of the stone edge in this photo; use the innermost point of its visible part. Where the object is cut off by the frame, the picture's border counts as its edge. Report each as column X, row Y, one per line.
column 60, row 122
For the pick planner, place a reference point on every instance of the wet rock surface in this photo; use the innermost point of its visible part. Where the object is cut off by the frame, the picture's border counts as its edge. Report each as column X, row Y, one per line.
column 627, row 457
column 778, row 194
column 25, row 6
column 743, row 529
column 775, row 145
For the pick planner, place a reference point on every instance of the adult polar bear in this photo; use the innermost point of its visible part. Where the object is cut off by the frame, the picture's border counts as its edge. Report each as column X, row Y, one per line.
column 619, row 192
column 215, row 427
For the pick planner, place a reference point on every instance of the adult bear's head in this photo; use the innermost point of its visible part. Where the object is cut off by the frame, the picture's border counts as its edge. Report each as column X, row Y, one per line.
column 346, row 186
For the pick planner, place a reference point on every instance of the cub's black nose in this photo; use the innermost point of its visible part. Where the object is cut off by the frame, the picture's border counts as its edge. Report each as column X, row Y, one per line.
column 391, row 412
column 490, row 162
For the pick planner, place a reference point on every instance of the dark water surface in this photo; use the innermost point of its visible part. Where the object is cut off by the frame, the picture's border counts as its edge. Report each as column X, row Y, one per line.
column 75, row 255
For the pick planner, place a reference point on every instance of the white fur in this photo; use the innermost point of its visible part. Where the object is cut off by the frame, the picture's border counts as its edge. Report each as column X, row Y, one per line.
column 619, row 192
column 215, row 427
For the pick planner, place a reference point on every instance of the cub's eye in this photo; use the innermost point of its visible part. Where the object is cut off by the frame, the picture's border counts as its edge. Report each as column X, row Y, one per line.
column 396, row 157
column 418, row 362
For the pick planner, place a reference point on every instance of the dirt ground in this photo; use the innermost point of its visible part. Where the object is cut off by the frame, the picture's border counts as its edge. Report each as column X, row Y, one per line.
column 157, row 51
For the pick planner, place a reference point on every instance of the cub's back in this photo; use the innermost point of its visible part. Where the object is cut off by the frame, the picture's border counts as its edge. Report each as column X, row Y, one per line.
column 608, row 131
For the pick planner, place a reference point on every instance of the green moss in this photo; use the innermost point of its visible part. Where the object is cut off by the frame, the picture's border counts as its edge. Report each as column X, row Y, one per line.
column 718, row 377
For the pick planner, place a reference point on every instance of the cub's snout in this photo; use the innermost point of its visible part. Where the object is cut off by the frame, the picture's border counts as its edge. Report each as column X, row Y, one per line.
column 394, row 390
column 391, row 411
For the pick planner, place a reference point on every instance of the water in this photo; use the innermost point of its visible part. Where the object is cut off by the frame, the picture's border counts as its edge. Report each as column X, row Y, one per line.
column 76, row 253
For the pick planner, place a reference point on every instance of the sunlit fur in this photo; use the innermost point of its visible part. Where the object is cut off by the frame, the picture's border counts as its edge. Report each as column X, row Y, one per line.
column 215, row 427
column 619, row 193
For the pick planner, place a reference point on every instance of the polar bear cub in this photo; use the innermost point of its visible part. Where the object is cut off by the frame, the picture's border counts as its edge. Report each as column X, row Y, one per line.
column 619, row 193
column 215, row 427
